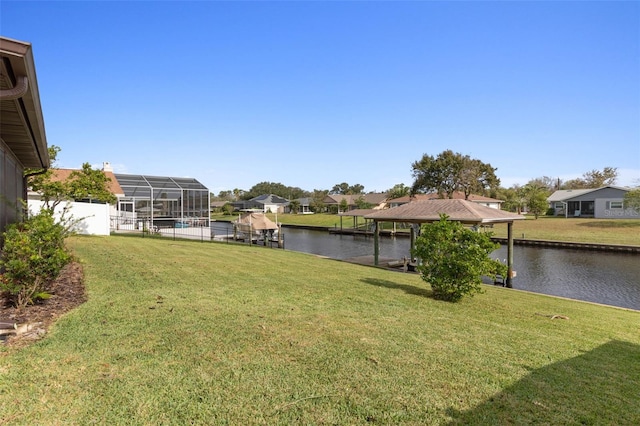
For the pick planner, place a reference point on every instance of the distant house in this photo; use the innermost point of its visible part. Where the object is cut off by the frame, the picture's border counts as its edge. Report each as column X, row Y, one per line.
column 304, row 206
column 374, row 199
column 266, row 203
column 92, row 217
column 605, row 202
column 23, row 142
column 478, row 199
column 217, row 206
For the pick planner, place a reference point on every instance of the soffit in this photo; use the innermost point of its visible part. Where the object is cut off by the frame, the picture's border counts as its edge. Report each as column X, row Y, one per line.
column 21, row 122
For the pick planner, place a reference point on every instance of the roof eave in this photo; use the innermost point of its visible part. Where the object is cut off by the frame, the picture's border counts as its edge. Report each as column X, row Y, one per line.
column 20, row 57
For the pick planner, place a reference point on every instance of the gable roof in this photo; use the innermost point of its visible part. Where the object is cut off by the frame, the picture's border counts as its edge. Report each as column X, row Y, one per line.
column 430, row 210
column 61, row 175
column 566, row 194
column 269, row 199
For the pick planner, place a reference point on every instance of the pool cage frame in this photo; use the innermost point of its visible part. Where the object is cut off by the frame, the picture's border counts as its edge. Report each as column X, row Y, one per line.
column 155, row 203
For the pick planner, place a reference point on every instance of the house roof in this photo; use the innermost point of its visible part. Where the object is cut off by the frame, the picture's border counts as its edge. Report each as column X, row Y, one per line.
column 458, row 195
column 430, row 210
column 22, row 126
column 305, row 201
column 269, row 199
column 566, row 194
column 371, row 198
column 61, row 175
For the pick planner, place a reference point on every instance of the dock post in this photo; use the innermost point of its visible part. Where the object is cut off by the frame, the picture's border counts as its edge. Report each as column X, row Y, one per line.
column 376, row 242
column 509, row 255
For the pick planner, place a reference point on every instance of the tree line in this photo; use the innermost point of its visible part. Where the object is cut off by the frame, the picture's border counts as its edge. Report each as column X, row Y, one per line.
column 446, row 174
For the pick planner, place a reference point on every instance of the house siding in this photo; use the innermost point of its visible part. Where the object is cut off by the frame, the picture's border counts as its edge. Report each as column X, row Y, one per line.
column 11, row 187
column 600, row 199
column 603, row 210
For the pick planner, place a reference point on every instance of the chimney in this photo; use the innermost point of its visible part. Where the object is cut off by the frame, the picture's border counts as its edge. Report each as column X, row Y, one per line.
column 106, row 167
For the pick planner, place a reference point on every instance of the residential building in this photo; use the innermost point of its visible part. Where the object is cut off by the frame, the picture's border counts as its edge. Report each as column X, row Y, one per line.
column 605, row 202
column 375, row 200
column 23, row 142
column 266, row 203
column 478, row 199
column 87, row 216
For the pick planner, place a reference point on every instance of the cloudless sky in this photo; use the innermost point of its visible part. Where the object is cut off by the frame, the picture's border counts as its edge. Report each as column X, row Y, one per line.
column 311, row 94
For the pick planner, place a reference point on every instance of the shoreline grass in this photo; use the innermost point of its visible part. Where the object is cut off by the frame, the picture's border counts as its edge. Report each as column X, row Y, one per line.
column 582, row 230
column 180, row 332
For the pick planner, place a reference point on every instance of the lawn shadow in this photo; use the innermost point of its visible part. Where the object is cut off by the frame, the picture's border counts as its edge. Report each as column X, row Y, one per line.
column 409, row 289
column 598, row 387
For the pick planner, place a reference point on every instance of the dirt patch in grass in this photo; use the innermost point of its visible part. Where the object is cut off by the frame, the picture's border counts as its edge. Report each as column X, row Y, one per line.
column 67, row 292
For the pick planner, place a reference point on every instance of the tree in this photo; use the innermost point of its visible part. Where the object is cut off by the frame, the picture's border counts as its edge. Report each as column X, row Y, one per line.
column 450, row 172
column 317, row 200
column 91, row 185
column 632, row 199
column 454, row 259
column 275, row 188
column 227, row 209
column 238, row 193
column 225, row 196
column 437, row 174
column 345, row 189
column 546, row 182
column 398, row 190
column 513, row 198
column 84, row 184
column 344, row 205
column 477, row 177
column 294, row 205
column 362, row 204
column 535, row 197
column 594, row 179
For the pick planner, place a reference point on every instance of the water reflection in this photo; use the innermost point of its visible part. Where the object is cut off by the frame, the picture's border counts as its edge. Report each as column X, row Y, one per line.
column 601, row 277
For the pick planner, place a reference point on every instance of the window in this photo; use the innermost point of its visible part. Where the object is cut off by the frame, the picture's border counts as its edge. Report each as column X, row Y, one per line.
column 615, row 205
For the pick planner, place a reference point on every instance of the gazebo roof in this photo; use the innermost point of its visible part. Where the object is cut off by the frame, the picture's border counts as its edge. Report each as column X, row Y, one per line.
column 258, row 221
column 430, row 210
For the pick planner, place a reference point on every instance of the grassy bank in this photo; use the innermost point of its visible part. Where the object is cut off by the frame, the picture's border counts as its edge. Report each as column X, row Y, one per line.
column 180, row 332
column 604, row 231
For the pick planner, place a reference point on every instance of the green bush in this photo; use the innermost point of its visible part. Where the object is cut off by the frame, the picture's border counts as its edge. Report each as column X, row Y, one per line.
column 227, row 209
column 32, row 257
column 454, row 259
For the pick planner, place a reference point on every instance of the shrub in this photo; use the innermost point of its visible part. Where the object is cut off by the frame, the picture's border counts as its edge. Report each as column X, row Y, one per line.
column 454, row 259
column 32, row 257
column 227, row 209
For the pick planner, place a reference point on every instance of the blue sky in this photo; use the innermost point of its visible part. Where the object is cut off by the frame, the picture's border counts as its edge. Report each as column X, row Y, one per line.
column 311, row 94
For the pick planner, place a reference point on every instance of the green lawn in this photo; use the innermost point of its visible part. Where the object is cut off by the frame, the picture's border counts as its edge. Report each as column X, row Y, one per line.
column 181, row 332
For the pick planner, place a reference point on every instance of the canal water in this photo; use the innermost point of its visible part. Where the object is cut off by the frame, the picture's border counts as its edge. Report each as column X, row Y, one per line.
column 594, row 276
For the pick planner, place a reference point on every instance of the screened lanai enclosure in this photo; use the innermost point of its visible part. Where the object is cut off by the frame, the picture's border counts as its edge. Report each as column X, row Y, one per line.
column 159, row 204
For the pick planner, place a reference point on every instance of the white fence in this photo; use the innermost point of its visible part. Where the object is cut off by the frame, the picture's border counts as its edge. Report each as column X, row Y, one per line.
column 87, row 218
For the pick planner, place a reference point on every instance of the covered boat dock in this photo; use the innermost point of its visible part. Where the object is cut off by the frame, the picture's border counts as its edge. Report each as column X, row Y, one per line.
column 463, row 211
